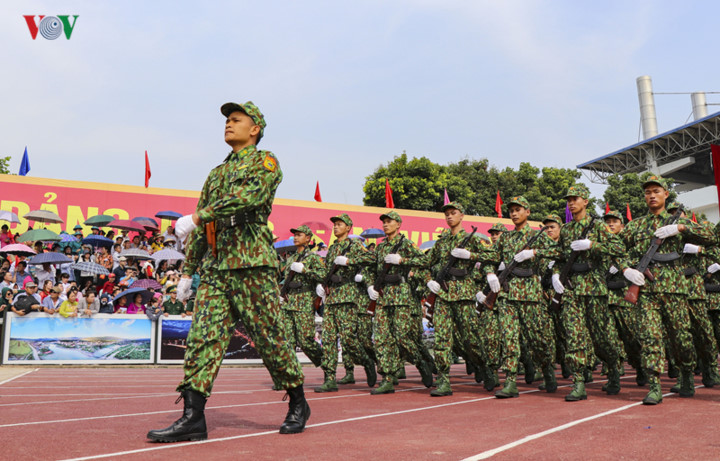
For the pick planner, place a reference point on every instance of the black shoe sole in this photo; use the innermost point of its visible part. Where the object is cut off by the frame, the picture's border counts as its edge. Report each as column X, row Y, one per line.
column 506, row 396
column 382, row 393
column 576, row 400
column 651, row 402
column 186, row 438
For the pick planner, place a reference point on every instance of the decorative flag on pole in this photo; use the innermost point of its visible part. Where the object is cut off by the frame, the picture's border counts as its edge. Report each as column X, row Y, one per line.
column 318, row 197
column 607, row 208
column 498, row 204
column 694, row 219
column 147, row 170
column 25, row 164
column 627, row 212
column 568, row 215
column 389, row 203
column 446, row 200
column 715, row 149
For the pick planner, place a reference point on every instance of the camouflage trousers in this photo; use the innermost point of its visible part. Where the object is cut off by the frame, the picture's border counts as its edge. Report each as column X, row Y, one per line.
column 715, row 321
column 626, row 325
column 365, row 336
column 559, row 331
column 300, row 331
column 655, row 310
column 456, row 319
column 533, row 320
column 341, row 321
column 223, row 298
column 603, row 333
column 579, row 351
column 396, row 338
column 490, row 337
column 702, row 332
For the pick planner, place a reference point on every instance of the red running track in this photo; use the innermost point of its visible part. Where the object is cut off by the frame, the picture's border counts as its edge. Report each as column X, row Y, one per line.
column 104, row 413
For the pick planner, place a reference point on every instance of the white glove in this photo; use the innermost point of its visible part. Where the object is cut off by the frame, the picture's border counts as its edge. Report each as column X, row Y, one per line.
column 297, row 267
column 460, row 253
column 613, row 270
column 501, row 267
column 551, row 264
column 524, row 255
column 320, row 291
column 635, row 276
column 393, row 258
column 341, row 261
column 714, row 267
column 667, row 231
column 557, row 284
column 358, row 278
column 434, row 286
column 581, row 245
column 183, row 288
column 480, row 297
column 282, row 300
column 494, row 283
column 691, row 249
column 374, row 295
column 184, row 226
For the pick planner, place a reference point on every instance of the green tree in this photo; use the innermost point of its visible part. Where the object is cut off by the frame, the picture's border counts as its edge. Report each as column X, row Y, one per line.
column 4, row 165
column 627, row 190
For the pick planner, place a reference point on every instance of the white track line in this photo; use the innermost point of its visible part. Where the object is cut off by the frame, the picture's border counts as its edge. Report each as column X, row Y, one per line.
column 18, row 376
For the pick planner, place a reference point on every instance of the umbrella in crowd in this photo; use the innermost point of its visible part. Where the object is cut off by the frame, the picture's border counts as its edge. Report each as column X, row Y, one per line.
column 9, row 216
column 140, row 219
column 281, row 246
column 97, row 241
column 427, row 245
column 353, row 236
column 100, row 220
column 17, row 249
column 136, row 253
column 43, row 216
column 172, row 215
column 39, row 234
column 65, row 237
column 322, row 253
column 372, row 233
column 316, row 225
column 50, row 258
column 147, row 283
column 167, row 254
column 130, row 292
column 127, row 225
column 90, row 267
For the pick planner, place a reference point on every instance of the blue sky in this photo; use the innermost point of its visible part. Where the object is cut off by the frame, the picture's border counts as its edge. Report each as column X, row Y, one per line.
column 345, row 86
column 54, row 327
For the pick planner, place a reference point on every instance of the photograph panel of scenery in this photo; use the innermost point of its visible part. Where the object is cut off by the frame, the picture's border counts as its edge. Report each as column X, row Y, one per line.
column 100, row 339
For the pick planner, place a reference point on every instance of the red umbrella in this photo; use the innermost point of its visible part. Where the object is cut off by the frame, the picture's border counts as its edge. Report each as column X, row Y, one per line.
column 127, row 224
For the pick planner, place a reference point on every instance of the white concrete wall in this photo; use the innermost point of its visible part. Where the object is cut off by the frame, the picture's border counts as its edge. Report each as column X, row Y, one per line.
column 703, row 200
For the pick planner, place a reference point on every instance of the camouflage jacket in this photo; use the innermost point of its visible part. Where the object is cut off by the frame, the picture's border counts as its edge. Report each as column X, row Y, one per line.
column 241, row 188
column 301, row 298
column 347, row 290
column 398, row 294
column 606, row 248
column 504, row 250
column 438, row 257
column 710, row 256
column 669, row 278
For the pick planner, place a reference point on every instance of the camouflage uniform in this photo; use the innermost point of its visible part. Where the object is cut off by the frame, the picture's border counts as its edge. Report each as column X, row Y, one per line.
column 712, row 286
column 238, row 281
column 298, row 311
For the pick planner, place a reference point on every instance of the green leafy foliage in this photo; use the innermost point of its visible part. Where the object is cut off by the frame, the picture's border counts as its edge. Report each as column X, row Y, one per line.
column 5, row 165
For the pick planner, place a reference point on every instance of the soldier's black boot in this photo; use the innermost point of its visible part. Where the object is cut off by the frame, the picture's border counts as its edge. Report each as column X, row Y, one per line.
column 426, row 375
column 710, row 376
column 588, row 375
column 678, row 384
column 529, row 372
column 370, row 373
column 653, row 397
column 566, row 373
column 298, row 412
column 641, row 378
column 549, row 381
column 492, row 379
column 687, row 387
column 191, row 426
column 673, row 371
column 400, row 374
column 443, row 388
column 613, row 383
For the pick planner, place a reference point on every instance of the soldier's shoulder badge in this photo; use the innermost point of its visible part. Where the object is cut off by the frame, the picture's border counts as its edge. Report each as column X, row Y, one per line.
column 270, row 163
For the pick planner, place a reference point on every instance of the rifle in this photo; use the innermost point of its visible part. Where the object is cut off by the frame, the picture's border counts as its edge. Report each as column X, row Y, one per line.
column 291, row 275
column 633, row 292
column 567, row 268
column 333, row 269
column 491, row 296
column 430, row 301
column 380, row 281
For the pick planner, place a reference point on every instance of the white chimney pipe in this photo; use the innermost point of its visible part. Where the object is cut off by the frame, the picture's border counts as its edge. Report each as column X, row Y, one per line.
column 699, row 105
column 647, row 107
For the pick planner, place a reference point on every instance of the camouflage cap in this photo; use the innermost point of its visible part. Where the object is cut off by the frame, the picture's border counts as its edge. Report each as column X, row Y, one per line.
column 578, row 190
column 249, row 109
column 552, row 218
column 498, row 227
column 519, row 200
column 659, row 180
column 613, row 214
column 342, row 217
column 392, row 215
column 455, row 205
column 304, row 229
column 673, row 206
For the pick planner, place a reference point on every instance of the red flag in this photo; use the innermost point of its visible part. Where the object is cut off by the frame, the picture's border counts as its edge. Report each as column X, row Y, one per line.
column 607, row 208
column 627, row 212
column 318, row 197
column 498, row 204
column 694, row 219
column 147, row 170
column 715, row 149
column 388, row 195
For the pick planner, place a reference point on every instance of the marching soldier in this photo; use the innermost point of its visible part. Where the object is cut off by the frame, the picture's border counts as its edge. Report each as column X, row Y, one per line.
column 664, row 300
